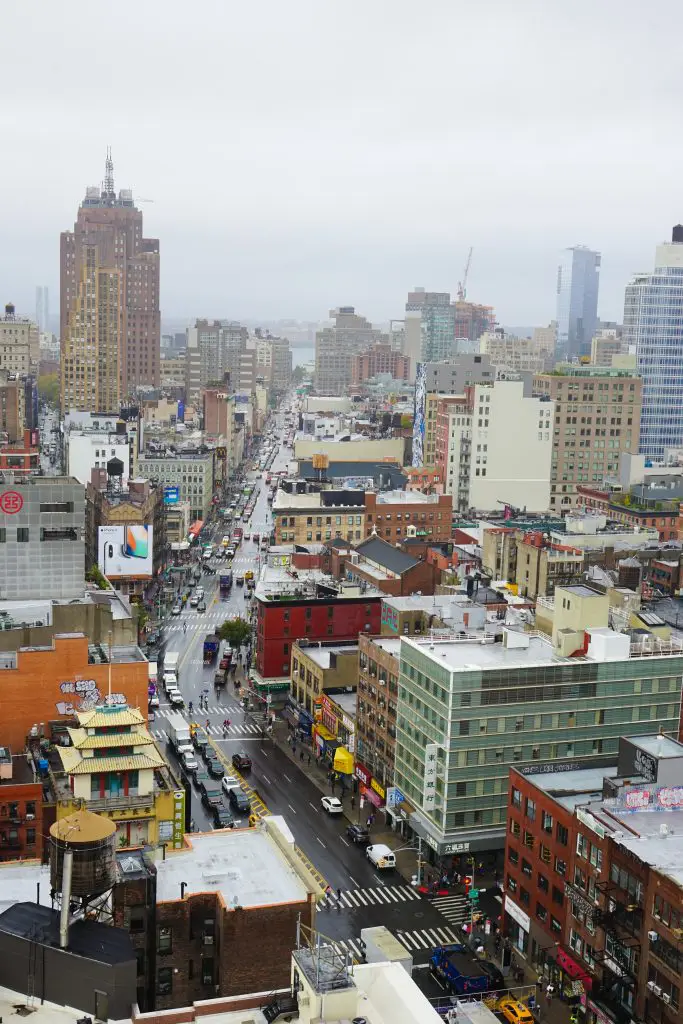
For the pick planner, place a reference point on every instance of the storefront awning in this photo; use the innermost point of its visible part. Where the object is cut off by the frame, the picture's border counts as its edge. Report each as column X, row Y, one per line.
column 343, row 761
column 324, row 733
column 572, row 969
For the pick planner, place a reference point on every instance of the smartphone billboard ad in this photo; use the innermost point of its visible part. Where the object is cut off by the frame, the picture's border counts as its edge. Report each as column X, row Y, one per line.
column 125, row 550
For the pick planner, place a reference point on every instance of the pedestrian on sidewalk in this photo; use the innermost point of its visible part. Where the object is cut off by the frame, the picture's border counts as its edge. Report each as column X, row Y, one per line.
column 301, row 755
column 353, row 801
column 549, row 991
column 309, row 760
column 339, row 904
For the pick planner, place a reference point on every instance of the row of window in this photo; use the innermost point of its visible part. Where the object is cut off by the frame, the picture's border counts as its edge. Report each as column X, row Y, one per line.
column 46, row 535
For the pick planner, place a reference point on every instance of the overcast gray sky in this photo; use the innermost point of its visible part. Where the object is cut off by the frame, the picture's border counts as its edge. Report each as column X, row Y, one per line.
column 306, row 153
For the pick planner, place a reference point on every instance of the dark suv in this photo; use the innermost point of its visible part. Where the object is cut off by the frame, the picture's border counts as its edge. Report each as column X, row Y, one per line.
column 241, row 761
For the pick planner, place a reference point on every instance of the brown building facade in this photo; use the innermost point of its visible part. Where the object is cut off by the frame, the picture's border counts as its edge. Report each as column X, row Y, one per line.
column 379, row 359
column 597, row 416
column 378, row 668
column 395, row 515
column 116, row 337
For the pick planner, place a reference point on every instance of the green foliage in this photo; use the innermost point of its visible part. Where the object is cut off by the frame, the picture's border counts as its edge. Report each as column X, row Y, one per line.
column 48, row 388
column 235, row 631
column 93, row 575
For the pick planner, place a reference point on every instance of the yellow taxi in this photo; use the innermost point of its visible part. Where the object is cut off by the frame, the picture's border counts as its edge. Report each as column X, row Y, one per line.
column 248, row 575
column 514, row 1011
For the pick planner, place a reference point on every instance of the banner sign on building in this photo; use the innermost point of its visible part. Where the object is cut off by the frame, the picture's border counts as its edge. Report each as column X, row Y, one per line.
column 429, row 789
column 171, row 495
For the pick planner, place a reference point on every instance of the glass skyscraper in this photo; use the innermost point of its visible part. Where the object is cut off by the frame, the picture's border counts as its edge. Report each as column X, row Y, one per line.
column 438, row 323
column 653, row 322
column 578, row 280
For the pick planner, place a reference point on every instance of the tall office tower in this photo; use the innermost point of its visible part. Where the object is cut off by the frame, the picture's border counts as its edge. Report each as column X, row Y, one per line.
column 653, row 322
column 109, row 301
column 472, row 320
column 43, row 307
column 437, row 324
column 578, row 280
column 282, row 364
column 336, row 346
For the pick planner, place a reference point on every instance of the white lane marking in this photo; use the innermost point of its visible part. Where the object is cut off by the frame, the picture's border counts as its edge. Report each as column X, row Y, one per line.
column 291, row 808
column 321, row 843
column 266, row 780
column 372, row 900
column 348, row 896
column 386, row 897
column 343, row 840
column 361, row 897
column 286, row 777
column 314, row 808
column 354, row 882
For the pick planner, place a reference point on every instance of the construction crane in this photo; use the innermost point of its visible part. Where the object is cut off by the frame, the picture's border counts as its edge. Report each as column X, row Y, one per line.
column 462, row 285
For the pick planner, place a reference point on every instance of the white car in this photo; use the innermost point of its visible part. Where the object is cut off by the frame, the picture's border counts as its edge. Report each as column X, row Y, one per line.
column 229, row 782
column 332, row 804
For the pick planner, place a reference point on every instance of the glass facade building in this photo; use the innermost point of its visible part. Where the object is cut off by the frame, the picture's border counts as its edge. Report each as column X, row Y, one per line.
column 653, row 322
column 468, row 709
column 578, row 281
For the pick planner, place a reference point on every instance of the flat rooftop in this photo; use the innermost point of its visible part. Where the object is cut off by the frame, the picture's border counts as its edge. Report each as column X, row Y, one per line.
column 322, row 656
column 581, row 591
column 390, row 644
column 407, row 498
column 245, row 866
column 41, row 1012
column 19, row 881
column 472, row 655
column 658, row 746
column 663, row 851
column 581, row 781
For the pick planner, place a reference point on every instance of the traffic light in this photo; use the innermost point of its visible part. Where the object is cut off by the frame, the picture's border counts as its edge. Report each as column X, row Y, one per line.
column 467, row 880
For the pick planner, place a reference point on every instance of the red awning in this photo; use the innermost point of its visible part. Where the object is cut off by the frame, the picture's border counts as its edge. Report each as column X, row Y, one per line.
column 572, row 968
column 196, row 527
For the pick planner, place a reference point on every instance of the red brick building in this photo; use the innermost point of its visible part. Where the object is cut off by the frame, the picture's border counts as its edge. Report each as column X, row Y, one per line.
column 295, row 605
column 391, row 570
column 21, row 809
column 379, row 359
column 395, row 515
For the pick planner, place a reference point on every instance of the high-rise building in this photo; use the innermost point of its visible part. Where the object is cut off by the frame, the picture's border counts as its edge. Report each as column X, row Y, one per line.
column 109, row 301
column 336, row 346
column 653, row 322
column 437, row 379
column 43, row 307
column 472, row 319
column 437, row 324
column 578, row 280
column 597, row 416
column 214, row 348
column 377, row 360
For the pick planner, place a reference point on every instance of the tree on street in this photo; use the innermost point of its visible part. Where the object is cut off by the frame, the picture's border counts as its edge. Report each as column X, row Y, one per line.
column 235, row 631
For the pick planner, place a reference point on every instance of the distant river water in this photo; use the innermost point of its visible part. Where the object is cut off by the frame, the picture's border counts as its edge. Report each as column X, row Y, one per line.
column 302, row 354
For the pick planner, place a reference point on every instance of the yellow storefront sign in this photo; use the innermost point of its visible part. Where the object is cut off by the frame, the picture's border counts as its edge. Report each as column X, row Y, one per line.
column 379, row 789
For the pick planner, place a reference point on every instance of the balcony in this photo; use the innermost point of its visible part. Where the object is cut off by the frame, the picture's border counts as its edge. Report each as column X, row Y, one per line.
column 111, row 803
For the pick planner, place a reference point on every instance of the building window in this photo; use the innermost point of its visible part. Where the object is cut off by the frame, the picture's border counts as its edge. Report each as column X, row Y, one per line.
column 558, row 896
column 513, row 856
column 531, row 809
column 547, row 822
column 561, row 866
column 526, row 868
column 22, row 535
column 542, row 882
column 541, row 912
column 516, row 798
column 164, row 940
column 164, row 981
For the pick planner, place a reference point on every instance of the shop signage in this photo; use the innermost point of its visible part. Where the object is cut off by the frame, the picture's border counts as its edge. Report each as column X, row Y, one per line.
column 517, row 914
column 429, row 788
column 362, row 773
column 394, row 796
column 600, row 1015
column 645, row 765
column 590, row 822
column 579, row 900
column 11, row 502
column 178, row 818
column 549, row 768
column 456, row 848
column 380, row 790
column 165, row 831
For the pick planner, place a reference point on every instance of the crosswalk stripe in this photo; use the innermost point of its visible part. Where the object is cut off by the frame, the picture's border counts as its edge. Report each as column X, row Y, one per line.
column 419, row 937
column 385, row 896
column 357, row 951
column 436, row 941
column 371, row 899
column 345, row 900
column 360, row 897
column 349, row 896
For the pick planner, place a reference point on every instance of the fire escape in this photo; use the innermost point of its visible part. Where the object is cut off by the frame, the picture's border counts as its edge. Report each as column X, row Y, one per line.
column 621, row 920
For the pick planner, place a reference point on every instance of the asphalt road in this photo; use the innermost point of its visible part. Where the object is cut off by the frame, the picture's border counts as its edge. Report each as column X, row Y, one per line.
column 367, row 897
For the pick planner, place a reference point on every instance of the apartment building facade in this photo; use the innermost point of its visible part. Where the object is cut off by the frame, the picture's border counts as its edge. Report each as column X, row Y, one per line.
column 596, row 417
column 380, row 359
column 377, row 706
column 336, row 346
column 192, row 474
column 467, row 711
column 318, row 516
column 19, row 343
column 395, row 515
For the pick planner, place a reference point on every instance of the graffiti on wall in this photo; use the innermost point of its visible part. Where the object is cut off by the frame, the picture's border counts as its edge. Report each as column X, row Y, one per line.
column 86, row 696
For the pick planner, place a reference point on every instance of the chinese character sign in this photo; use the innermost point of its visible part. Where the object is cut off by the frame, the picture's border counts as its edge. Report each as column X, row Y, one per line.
column 429, row 788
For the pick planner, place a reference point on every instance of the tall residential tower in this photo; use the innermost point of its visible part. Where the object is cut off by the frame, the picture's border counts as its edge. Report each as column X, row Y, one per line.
column 653, row 322
column 578, row 280
column 109, row 301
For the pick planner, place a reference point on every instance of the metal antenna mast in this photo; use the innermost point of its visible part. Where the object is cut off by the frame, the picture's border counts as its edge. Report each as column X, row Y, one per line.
column 108, row 184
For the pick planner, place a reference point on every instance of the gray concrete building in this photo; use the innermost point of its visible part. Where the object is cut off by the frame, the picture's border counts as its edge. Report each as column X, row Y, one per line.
column 192, row 473
column 42, row 542
column 336, row 346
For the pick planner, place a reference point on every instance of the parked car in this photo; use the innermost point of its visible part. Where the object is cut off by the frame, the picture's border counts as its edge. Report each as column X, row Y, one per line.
column 239, row 801
column 358, row 834
column 241, row 761
column 229, row 782
column 222, row 818
column 332, row 804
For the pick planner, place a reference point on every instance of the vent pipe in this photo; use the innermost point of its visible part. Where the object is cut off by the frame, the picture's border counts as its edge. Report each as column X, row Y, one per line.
column 67, row 871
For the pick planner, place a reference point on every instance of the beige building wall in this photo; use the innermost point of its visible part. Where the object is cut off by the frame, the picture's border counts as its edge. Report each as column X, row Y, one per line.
column 597, row 416
column 391, row 450
column 309, row 680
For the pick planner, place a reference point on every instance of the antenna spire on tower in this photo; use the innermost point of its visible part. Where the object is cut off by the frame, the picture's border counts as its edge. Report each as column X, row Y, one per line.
column 108, row 184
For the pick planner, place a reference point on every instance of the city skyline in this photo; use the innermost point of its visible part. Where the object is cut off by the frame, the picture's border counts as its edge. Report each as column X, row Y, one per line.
column 279, row 220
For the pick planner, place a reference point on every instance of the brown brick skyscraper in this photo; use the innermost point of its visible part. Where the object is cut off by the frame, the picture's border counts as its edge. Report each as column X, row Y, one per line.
column 109, row 301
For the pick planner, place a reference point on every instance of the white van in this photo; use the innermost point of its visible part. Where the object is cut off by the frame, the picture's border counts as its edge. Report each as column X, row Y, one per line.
column 381, row 856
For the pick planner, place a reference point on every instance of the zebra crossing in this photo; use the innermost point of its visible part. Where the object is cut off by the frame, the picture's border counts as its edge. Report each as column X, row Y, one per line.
column 355, row 898
column 238, row 729
column 416, row 941
column 454, row 908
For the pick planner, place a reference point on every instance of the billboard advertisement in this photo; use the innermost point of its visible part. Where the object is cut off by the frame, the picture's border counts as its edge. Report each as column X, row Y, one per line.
column 125, row 550
column 171, row 495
